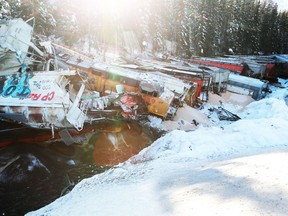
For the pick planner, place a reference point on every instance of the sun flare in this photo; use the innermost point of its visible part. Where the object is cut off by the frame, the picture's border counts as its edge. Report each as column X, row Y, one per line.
column 108, row 6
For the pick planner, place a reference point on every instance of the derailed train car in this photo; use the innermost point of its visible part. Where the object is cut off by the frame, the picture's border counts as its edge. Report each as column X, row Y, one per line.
column 35, row 92
column 243, row 66
column 255, row 88
column 162, row 94
column 41, row 99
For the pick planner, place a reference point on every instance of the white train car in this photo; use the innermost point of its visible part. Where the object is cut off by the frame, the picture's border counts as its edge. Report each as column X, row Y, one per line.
column 255, row 88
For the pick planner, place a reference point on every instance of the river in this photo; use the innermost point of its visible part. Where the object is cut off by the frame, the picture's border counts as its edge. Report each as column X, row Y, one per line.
column 33, row 173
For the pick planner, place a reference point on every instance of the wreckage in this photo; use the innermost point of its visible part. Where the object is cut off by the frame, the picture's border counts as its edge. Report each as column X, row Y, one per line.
column 28, row 96
column 207, row 78
column 245, row 66
column 51, row 86
column 41, row 91
column 162, row 94
column 40, row 99
column 16, row 44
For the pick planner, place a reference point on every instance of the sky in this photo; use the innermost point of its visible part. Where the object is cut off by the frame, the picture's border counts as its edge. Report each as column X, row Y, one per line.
column 282, row 4
column 221, row 168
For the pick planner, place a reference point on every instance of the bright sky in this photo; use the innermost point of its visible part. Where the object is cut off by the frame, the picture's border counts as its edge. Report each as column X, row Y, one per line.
column 282, row 4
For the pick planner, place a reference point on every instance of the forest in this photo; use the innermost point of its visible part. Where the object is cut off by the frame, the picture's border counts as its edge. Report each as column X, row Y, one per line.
column 194, row 27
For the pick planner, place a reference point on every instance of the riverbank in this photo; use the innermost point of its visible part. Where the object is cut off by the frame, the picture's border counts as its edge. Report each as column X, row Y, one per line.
column 229, row 169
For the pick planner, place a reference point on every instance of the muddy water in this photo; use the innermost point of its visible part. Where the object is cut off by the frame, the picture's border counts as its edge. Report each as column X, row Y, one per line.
column 119, row 144
column 35, row 174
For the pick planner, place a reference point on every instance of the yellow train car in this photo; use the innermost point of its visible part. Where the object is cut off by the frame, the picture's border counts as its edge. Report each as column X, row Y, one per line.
column 162, row 94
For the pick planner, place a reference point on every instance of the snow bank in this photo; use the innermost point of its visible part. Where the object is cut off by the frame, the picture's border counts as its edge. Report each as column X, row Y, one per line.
column 266, row 108
column 243, row 137
column 262, row 126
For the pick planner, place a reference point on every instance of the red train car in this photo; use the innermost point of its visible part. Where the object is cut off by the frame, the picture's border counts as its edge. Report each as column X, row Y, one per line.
column 244, row 66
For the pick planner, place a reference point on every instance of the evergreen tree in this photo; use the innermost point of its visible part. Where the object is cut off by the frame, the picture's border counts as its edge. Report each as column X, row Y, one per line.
column 155, row 24
column 248, row 24
column 14, row 8
column 283, row 32
column 223, row 23
column 197, row 27
column 256, row 27
column 210, row 26
column 5, row 9
column 188, row 18
column 67, row 21
column 274, row 29
column 267, row 27
column 41, row 10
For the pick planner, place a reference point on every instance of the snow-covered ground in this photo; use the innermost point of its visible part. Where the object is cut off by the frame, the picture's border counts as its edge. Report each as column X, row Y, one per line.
column 212, row 169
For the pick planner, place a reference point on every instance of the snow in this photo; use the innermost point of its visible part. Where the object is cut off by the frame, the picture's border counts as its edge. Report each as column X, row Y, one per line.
column 236, row 168
column 35, row 163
